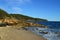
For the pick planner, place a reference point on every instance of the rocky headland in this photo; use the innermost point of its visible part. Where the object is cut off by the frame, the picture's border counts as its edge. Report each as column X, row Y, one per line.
column 19, row 20
column 9, row 23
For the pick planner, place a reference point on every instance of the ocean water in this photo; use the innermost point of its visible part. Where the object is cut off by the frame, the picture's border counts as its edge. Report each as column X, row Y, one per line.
column 53, row 34
column 51, row 24
column 50, row 33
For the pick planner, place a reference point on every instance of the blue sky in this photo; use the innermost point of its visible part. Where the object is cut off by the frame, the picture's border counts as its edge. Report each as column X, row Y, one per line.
column 46, row 9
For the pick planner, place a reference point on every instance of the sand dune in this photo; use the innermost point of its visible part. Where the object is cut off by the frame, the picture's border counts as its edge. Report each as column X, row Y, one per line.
column 7, row 33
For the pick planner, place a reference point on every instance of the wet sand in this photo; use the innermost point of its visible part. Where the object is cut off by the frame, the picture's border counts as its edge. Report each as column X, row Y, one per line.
column 8, row 33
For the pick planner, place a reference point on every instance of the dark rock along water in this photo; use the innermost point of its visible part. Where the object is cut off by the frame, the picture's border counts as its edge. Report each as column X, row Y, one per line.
column 53, row 30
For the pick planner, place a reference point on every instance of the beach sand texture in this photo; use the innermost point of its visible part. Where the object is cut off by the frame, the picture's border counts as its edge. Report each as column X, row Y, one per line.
column 7, row 33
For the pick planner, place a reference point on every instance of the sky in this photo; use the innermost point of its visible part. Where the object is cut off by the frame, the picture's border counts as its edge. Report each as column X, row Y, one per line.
column 45, row 9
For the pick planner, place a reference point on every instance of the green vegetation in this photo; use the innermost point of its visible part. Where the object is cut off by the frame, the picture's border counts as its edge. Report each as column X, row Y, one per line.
column 4, row 14
column 20, row 16
column 19, row 19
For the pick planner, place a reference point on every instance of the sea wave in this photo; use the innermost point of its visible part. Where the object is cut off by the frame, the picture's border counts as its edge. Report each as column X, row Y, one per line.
column 50, row 34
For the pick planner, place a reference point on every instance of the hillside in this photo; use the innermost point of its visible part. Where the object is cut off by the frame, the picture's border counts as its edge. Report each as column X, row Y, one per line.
column 22, row 20
column 20, row 16
column 4, row 14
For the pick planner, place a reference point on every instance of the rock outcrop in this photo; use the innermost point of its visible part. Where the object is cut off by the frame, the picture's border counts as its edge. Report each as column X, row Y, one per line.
column 18, row 19
column 21, row 23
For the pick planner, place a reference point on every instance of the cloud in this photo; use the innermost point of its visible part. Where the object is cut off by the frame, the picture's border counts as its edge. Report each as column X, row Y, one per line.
column 17, row 1
column 17, row 10
column 13, row 5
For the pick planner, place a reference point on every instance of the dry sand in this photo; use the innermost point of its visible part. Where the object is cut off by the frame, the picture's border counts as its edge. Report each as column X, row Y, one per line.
column 7, row 33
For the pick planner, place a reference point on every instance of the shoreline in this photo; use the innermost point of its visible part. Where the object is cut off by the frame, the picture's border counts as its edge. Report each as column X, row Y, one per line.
column 8, row 33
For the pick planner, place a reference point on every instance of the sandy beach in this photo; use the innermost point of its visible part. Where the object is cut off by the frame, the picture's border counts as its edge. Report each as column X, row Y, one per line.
column 8, row 33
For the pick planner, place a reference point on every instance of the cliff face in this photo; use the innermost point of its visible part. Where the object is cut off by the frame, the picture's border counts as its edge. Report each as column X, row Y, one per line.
column 18, row 19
